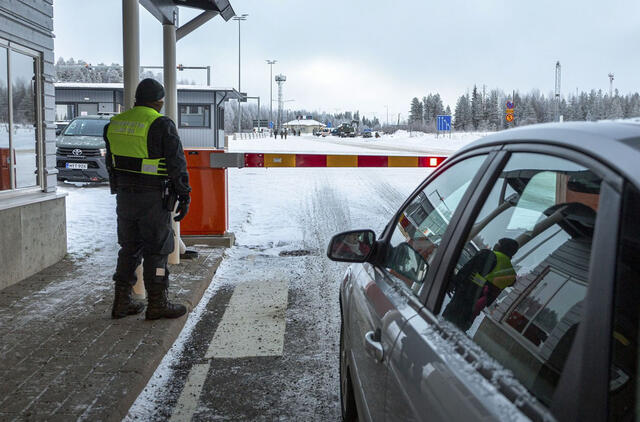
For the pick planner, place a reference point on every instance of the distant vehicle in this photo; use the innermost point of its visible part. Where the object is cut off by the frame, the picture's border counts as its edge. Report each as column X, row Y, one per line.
column 367, row 134
column 515, row 258
column 344, row 130
column 324, row 132
column 81, row 150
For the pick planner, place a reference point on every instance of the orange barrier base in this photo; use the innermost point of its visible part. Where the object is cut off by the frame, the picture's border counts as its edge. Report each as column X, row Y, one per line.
column 208, row 211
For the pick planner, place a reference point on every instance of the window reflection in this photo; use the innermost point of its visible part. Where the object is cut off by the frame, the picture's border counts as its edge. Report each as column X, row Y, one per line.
column 5, row 164
column 524, row 308
column 24, row 136
column 423, row 222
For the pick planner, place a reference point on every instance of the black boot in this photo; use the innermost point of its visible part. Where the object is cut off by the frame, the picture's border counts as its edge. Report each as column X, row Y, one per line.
column 159, row 305
column 123, row 305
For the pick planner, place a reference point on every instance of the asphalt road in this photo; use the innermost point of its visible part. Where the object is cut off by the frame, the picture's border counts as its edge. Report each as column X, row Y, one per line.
column 263, row 343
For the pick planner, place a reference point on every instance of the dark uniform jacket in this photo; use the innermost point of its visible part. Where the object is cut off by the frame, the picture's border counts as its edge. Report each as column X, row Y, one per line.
column 162, row 141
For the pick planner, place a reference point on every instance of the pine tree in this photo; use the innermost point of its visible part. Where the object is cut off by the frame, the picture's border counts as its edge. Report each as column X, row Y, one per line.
column 462, row 117
column 476, row 108
column 415, row 112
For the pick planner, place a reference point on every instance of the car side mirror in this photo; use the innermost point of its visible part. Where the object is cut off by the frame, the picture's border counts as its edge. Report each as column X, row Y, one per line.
column 351, row 246
column 58, row 132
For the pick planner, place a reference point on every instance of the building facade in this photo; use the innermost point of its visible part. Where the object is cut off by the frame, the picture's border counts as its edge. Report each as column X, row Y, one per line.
column 32, row 212
column 304, row 125
column 200, row 108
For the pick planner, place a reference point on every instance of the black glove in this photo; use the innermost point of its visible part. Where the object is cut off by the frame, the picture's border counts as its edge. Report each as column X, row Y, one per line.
column 183, row 207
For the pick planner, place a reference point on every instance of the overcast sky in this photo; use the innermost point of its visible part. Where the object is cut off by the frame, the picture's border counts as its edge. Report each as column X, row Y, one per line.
column 366, row 54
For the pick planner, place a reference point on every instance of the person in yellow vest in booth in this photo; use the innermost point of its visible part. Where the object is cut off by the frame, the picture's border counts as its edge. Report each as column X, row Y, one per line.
column 148, row 174
column 480, row 281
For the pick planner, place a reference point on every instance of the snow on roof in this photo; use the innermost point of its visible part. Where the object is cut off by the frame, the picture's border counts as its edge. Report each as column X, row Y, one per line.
column 304, row 122
column 89, row 85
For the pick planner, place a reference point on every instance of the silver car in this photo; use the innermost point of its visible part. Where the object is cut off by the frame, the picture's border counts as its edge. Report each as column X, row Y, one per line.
column 507, row 287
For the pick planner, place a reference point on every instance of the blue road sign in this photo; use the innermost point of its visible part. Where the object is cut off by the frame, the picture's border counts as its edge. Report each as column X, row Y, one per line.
column 270, row 125
column 443, row 122
column 329, row 124
column 509, row 104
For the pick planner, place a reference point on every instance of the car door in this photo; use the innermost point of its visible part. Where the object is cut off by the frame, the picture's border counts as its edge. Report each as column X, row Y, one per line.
column 622, row 381
column 383, row 297
column 505, row 315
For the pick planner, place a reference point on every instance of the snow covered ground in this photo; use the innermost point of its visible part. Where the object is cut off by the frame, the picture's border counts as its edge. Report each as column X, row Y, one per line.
column 275, row 213
column 400, row 143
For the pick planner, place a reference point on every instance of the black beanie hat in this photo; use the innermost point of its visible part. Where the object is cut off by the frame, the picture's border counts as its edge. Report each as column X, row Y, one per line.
column 149, row 90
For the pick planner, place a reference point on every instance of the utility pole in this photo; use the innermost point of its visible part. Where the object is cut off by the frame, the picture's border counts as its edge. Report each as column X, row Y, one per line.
column 271, row 63
column 240, row 18
column 557, row 105
column 610, row 85
column 387, row 107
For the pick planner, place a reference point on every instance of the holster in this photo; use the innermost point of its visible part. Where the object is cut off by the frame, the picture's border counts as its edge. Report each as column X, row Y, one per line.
column 169, row 196
column 113, row 183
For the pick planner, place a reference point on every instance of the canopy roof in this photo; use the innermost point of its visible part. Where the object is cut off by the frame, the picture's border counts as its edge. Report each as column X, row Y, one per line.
column 164, row 10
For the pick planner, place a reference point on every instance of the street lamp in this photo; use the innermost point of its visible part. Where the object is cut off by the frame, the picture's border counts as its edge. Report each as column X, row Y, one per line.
column 271, row 63
column 240, row 18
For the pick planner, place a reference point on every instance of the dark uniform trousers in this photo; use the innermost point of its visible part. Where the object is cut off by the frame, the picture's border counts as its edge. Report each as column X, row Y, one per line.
column 144, row 231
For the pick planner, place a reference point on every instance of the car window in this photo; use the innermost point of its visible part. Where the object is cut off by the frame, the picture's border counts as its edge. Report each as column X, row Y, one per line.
column 86, row 127
column 624, row 365
column 518, row 286
column 422, row 223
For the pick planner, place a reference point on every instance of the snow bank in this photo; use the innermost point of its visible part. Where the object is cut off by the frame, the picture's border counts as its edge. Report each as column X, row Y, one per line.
column 399, row 143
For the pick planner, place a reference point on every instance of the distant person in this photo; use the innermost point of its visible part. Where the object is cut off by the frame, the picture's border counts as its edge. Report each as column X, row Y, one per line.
column 480, row 281
column 377, row 135
column 285, row 133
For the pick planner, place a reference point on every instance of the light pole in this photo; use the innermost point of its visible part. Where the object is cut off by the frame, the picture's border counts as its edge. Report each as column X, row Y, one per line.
column 271, row 63
column 240, row 18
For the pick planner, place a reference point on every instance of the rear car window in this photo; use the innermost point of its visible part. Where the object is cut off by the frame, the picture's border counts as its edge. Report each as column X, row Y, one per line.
column 518, row 286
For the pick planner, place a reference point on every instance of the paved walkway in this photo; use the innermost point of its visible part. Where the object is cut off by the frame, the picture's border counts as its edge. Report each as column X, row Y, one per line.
column 61, row 355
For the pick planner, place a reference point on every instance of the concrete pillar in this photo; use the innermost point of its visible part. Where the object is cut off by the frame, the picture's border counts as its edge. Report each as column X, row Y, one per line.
column 171, row 107
column 169, row 62
column 130, row 49
column 131, row 74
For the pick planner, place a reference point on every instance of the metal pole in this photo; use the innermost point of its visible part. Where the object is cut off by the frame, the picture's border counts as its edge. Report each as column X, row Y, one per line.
column 208, row 75
column 130, row 49
column 171, row 107
column 259, row 114
column 239, row 87
column 271, row 63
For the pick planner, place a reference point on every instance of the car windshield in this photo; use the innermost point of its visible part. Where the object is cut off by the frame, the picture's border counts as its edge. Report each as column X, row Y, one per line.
column 86, row 127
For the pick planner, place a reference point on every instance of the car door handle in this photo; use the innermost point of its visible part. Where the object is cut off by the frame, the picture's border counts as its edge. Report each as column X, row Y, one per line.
column 373, row 346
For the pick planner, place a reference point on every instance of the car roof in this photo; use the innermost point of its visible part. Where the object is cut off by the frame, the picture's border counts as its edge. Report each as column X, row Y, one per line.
column 614, row 143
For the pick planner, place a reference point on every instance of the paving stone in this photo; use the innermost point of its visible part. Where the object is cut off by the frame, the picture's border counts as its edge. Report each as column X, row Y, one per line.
column 60, row 349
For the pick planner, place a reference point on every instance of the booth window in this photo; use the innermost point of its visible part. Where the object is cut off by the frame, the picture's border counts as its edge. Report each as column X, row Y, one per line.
column 19, row 134
column 195, row 115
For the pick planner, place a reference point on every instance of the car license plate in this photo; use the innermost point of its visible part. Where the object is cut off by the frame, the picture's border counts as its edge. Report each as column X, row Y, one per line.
column 77, row 166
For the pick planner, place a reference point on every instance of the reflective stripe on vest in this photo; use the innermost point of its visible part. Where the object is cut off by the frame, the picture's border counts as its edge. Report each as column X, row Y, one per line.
column 503, row 275
column 127, row 135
